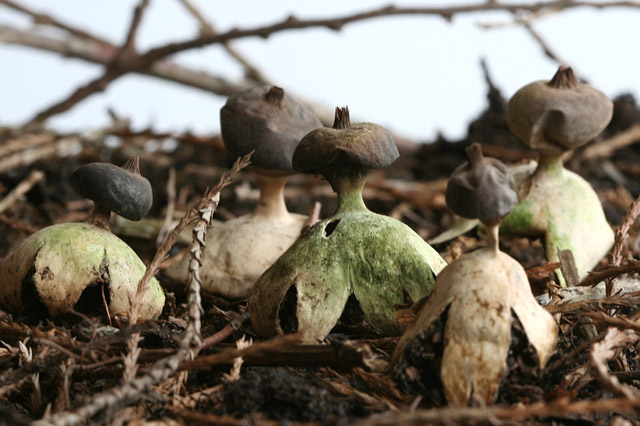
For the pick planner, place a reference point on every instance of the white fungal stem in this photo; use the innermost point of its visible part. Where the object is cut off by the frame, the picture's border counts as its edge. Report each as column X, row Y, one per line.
column 271, row 204
column 493, row 238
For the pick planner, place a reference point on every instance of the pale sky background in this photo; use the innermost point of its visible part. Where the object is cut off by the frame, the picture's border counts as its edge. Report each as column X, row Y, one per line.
column 416, row 75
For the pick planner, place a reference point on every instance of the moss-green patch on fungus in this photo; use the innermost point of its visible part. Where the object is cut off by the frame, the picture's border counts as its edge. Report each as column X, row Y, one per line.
column 65, row 259
column 565, row 210
column 378, row 259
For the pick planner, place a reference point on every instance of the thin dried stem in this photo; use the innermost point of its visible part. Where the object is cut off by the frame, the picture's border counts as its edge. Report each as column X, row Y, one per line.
column 121, row 64
column 544, row 45
column 622, row 234
column 206, row 27
column 171, row 205
column 515, row 413
column 44, row 19
column 22, row 188
column 194, row 283
column 102, row 53
column 227, row 331
column 610, row 272
column 293, row 23
column 129, row 44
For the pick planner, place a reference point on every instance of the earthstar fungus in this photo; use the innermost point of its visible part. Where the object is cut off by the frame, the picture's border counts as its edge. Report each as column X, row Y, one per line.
column 57, row 264
column 379, row 260
column 553, row 118
column 478, row 297
column 268, row 121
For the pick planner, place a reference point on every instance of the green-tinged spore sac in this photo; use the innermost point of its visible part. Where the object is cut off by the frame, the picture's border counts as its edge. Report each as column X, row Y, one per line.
column 521, row 220
column 379, row 259
column 565, row 210
column 67, row 258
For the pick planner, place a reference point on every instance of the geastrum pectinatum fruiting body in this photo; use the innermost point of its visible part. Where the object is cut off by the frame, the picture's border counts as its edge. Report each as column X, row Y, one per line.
column 269, row 122
column 57, row 265
column 476, row 300
column 553, row 118
column 379, row 260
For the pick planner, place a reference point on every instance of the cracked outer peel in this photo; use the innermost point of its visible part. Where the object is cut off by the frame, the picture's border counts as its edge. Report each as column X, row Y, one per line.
column 239, row 251
column 67, row 258
column 481, row 289
column 562, row 207
column 375, row 257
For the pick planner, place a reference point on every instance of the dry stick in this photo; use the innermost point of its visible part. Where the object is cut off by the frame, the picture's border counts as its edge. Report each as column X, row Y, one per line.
column 546, row 47
column 103, row 53
column 622, row 234
column 607, row 147
column 194, row 282
column 207, row 28
column 611, row 272
column 121, row 64
column 62, row 147
column 139, row 62
column 171, row 205
column 227, row 331
column 22, row 188
column 491, row 415
column 25, row 141
column 293, row 23
column 314, row 215
column 130, row 41
column 44, row 19
column 134, row 391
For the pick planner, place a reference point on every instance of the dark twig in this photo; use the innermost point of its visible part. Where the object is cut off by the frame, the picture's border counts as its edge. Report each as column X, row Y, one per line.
column 492, row 415
column 622, row 234
column 227, row 331
column 44, row 19
column 293, row 23
column 22, row 188
column 610, row 272
column 129, row 44
column 121, row 64
column 103, row 53
column 546, row 47
column 171, row 205
column 206, row 27
column 83, row 92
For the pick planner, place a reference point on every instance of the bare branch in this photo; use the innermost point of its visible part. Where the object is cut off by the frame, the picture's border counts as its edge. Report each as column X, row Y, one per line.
column 126, row 56
column 103, row 53
column 22, row 188
column 129, row 44
column 81, row 93
column 293, row 23
column 44, row 19
column 206, row 27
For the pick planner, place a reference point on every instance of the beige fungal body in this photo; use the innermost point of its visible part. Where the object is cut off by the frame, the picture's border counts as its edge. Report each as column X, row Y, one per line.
column 482, row 293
